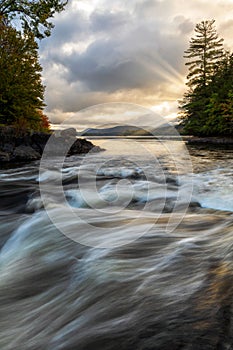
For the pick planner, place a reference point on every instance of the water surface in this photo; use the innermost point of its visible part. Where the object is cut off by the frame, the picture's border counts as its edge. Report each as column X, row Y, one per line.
column 149, row 265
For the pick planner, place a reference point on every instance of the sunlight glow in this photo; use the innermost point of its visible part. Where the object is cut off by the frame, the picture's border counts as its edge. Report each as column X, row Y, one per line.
column 84, row 5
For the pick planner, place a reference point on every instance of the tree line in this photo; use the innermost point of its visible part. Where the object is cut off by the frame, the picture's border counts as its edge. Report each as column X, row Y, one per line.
column 21, row 88
column 207, row 105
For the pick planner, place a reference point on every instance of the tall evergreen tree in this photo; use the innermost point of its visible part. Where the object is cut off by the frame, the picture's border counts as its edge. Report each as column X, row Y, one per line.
column 203, row 55
column 21, row 88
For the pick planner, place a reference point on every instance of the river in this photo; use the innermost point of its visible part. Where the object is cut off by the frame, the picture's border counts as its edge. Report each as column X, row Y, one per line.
column 129, row 248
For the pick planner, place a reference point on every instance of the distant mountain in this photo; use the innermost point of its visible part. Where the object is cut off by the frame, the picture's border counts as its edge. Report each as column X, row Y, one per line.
column 128, row 130
column 121, row 130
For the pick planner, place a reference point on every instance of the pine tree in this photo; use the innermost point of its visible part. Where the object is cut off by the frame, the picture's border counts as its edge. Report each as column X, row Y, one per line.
column 203, row 55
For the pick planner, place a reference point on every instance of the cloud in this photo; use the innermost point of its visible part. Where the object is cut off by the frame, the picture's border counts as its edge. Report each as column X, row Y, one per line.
column 106, row 21
column 185, row 25
column 130, row 52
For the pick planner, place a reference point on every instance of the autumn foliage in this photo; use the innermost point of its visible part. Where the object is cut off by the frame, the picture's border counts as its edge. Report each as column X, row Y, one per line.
column 21, row 88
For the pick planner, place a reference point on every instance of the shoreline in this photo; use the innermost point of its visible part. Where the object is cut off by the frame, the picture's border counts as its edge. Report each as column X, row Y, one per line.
column 25, row 146
column 216, row 142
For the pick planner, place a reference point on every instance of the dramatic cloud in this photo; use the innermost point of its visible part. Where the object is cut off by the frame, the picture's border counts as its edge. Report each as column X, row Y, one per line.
column 123, row 52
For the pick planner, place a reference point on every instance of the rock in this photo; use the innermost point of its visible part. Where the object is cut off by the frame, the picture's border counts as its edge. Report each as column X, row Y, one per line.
column 183, row 206
column 96, row 149
column 25, row 153
column 29, row 145
column 194, row 204
column 171, row 181
column 4, row 157
column 81, row 146
column 70, row 132
column 210, row 141
column 8, row 148
column 23, row 140
column 39, row 140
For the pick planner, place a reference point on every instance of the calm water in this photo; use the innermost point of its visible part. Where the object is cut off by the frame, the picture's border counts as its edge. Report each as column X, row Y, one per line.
column 130, row 248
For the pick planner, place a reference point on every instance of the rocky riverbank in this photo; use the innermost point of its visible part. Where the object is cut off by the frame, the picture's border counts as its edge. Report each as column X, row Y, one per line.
column 225, row 142
column 24, row 146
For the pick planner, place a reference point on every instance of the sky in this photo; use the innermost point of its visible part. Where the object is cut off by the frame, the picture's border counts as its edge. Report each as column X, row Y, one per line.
column 123, row 53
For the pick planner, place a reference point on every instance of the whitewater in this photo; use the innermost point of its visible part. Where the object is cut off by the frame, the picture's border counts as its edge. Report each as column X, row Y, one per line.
column 128, row 248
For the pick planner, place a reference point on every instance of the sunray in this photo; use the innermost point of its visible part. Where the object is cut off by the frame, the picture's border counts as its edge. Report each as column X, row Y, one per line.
column 159, row 66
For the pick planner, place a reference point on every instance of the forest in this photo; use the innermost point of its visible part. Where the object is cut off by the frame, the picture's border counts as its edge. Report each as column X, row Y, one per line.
column 207, row 106
column 22, row 24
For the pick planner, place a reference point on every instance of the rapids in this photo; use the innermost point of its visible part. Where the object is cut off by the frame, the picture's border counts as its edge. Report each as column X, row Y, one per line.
column 127, row 249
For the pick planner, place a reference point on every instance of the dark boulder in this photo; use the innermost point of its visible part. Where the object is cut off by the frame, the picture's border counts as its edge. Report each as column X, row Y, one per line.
column 82, row 146
column 25, row 153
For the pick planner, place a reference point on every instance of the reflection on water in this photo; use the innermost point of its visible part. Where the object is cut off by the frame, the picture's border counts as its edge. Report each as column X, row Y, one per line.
column 157, row 290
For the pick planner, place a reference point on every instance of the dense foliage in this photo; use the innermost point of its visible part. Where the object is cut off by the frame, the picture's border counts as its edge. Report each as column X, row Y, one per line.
column 21, row 89
column 207, row 106
column 33, row 15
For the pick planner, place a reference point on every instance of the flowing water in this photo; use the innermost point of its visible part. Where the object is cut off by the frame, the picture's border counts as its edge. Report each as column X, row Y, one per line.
column 130, row 248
